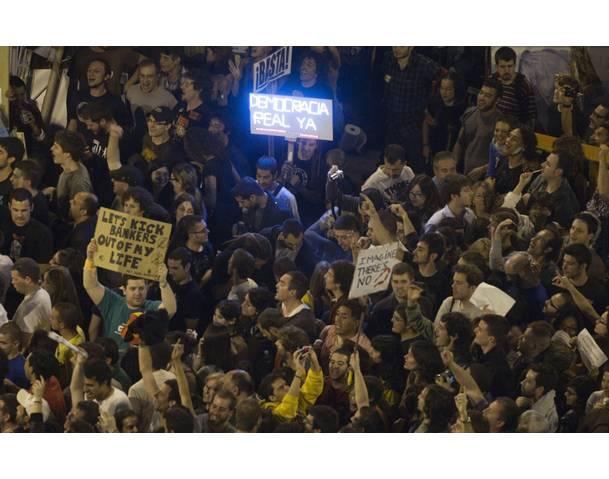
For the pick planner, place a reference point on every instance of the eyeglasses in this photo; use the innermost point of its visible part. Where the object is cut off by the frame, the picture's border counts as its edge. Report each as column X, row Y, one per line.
column 200, row 232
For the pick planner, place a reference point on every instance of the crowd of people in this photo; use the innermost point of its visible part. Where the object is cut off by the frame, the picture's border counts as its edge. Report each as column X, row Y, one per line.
column 250, row 327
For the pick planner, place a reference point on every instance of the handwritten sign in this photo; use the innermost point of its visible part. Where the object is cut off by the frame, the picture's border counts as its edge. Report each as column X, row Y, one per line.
column 373, row 270
column 129, row 244
column 277, row 65
column 290, row 116
column 592, row 356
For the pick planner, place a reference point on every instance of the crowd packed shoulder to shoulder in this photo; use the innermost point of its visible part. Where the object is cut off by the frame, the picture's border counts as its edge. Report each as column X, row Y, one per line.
column 495, row 319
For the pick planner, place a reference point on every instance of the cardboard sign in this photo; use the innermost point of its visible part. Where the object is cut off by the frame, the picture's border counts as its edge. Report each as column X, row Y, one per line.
column 291, row 116
column 129, row 244
column 277, row 65
column 373, row 270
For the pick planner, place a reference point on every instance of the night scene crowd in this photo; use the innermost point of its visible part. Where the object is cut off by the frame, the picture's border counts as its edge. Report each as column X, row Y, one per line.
column 250, row 327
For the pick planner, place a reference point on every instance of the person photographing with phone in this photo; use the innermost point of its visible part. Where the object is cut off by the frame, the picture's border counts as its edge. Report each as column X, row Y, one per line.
column 284, row 401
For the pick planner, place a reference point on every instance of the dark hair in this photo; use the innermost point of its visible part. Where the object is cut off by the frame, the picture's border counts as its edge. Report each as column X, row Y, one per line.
column 161, row 355
column 185, row 225
column 69, row 314
column 347, row 222
column 217, row 350
column 267, row 163
column 266, row 385
column 369, row 420
column 292, row 227
column 110, row 349
column 184, row 197
column 248, row 414
column 229, row 309
column 477, row 260
column 121, row 415
column 271, row 318
column 31, row 170
column 429, row 361
column 505, row 54
column 179, row 419
column 261, row 298
column 10, row 405
column 98, row 370
column 63, row 287
column 200, row 82
column 293, row 338
column 139, row 195
column 460, row 327
column 439, row 408
column 104, row 62
column 242, row 381
column 242, row 263
column 547, row 377
column 20, row 194
column 13, row 146
column 15, row 82
column 492, row 82
column 580, row 252
column 283, row 265
column 325, row 418
column 389, row 221
column 498, row 328
column 430, row 190
column 298, row 282
column 199, row 143
column 403, row 268
column 592, row 222
column 43, row 363
column 343, row 273
column 472, row 274
column 458, row 84
column 96, row 111
column 71, row 142
column 583, row 386
column 72, row 259
column 435, row 244
column 181, row 254
column 247, row 187
column 90, row 411
column 541, row 329
column 529, row 142
column 354, row 306
column 394, row 153
column 452, row 186
column 510, row 413
column 565, row 162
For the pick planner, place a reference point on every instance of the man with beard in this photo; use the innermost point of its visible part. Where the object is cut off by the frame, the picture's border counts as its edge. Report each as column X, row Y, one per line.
column 518, row 99
column 393, row 176
column 585, row 228
column 220, row 413
column 478, row 127
column 538, row 393
column 429, row 270
column 336, row 385
column 98, row 73
column 259, row 207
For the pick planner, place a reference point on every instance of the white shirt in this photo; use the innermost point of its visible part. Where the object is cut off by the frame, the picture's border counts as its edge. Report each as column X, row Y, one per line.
column 464, row 307
column 546, row 406
column 3, row 315
column 117, row 400
column 143, row 404
column 445, row 212
column 34, row 312
column 391, row 188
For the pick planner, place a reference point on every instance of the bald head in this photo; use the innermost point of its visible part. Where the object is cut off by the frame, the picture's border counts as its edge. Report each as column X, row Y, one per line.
column 84, row 205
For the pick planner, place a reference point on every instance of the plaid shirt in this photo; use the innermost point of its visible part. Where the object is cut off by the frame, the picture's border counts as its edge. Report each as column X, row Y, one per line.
column 406, row 91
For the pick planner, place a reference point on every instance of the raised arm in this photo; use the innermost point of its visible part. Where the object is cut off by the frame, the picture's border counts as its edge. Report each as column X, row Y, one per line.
column 145, row 362
column 582, row 303
column 463, row 377
column 168, row 297
column 77, row 384
column 178, row 368
column 92, row 286
column 359, row 384
column 113, row 156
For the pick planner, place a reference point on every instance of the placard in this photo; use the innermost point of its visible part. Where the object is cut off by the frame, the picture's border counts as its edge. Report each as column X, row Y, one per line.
column 291, row 116
column 277, row 65
column 130, row 245
column 373, row 270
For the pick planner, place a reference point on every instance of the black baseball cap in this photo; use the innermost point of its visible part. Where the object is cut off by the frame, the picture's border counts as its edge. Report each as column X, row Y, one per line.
column 161, row 114
column 128, row 174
